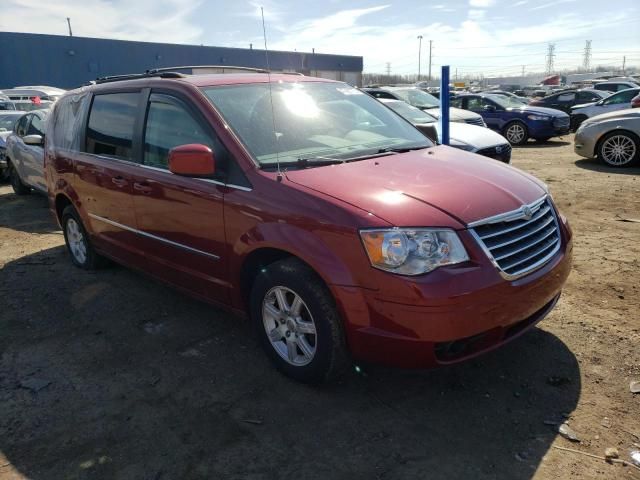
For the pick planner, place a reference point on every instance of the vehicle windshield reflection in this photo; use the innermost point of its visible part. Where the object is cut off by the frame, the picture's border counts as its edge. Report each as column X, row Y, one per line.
column 307, row 120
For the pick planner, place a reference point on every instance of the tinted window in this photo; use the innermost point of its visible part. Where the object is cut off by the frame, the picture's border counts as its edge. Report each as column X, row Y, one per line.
column 588, row 97
column 474, row 103
column 379, row 94
column 111, row 121
column 36, row 127
column 620, row 97
column 23, row 124
column 7, row 122
column 567, row 97
column 169, row 125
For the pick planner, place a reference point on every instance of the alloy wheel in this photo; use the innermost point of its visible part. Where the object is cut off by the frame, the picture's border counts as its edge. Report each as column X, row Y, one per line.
column 289, row 326
column 77, row 244
column 515, row 133
column 618, row 150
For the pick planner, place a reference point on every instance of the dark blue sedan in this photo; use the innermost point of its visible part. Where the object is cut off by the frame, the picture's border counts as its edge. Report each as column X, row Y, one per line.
column 515, row 120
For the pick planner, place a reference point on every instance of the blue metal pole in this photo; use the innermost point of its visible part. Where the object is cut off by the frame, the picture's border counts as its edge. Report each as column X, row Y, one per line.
column 444, row 105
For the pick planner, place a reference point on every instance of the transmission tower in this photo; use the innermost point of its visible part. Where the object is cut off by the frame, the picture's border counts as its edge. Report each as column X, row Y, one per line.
column 388, row 68
column 586, row 63
column 550, row 55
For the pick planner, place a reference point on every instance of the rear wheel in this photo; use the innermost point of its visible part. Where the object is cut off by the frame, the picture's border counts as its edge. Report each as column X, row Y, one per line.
column 297, row 322
column 75, row 236
column 16, row 182
column 619, row 149
column 516, row 133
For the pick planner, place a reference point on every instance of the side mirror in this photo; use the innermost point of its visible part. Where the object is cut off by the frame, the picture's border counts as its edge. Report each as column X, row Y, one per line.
column 37, row 140
column 489, row 108
column 192, row 160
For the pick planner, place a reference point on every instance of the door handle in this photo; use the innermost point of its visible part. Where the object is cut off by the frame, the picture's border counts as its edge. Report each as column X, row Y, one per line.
column 119, row 181
column 142, row 187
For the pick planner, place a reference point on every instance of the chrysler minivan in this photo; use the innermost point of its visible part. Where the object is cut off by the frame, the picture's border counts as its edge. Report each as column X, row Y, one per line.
column 308, row 206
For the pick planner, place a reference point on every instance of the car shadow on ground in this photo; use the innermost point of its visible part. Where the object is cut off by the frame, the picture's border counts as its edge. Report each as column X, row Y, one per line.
column 595, row 165
column 110, row 375
column 35, row 210
column 554, row 142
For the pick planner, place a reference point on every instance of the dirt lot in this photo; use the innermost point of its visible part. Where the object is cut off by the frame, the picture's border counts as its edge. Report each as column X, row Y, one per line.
column 110, row 375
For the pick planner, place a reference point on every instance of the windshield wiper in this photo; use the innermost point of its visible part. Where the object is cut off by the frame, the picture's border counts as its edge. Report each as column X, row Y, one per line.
column 309, row 162
column 402, row 149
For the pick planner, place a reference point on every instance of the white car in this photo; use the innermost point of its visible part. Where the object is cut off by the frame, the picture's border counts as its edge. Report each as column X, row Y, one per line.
column 8, row 119
column 470, row 138
column 25, row 153
column 618, row 101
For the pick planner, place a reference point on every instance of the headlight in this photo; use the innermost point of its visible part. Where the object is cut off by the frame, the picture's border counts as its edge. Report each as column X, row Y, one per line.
column 539, row 117
column 409, row 251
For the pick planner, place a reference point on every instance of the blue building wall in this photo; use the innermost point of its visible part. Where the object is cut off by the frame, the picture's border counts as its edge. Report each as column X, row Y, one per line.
column 67, row 62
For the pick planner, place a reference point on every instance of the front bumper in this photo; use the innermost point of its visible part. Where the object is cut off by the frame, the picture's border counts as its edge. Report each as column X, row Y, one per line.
column 451, row 314
column 584, row 145
column 538, row 129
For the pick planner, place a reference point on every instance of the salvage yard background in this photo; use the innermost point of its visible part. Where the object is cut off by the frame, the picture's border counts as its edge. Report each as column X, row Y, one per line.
column 110, row 375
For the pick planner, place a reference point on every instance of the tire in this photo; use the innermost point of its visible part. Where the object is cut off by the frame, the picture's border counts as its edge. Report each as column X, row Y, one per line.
column 577, row 121
column 19, row 188
column 78, row 245
column 307, row 345
column 516, row 133
column 619, row 149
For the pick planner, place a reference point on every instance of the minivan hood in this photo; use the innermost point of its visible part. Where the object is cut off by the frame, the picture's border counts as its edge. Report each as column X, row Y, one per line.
column 415, row 188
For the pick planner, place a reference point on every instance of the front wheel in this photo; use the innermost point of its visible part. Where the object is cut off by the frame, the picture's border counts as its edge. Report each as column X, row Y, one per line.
column 19, row 188
column 516, row 133
column 619, row 149
column 297, row 322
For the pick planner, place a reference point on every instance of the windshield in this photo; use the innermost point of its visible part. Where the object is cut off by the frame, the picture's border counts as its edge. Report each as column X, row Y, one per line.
column 417, row 98
column 8, row 121
column 411, row 113
column 506, row 102
column 313, row 120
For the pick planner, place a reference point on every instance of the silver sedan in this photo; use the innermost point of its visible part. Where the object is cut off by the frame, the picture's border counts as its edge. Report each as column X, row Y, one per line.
column 614, row 138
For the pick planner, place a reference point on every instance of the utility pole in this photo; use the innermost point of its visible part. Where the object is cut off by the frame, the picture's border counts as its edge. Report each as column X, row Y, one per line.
column 419, row 54
column 550, row 55
column 624, row 64
column 586, row 63
column 430, row 45
column 69, row 24
column 388, row 69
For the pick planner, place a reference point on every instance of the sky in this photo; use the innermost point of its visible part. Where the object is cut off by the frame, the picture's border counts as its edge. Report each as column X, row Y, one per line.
column 492, row 37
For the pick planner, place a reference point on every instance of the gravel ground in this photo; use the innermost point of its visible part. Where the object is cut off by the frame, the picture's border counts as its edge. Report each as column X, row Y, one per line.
column 111, row 375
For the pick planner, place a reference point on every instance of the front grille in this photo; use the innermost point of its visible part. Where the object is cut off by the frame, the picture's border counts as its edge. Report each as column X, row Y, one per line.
column 561, row 122
column 518, row 243
column 499, row 152
column 475, row 121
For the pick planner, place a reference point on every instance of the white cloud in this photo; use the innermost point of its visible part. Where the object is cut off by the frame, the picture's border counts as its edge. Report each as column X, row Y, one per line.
column 150, row 20
column 520, row 3
column 481, row 3
column 550, row 4
column 477, row 14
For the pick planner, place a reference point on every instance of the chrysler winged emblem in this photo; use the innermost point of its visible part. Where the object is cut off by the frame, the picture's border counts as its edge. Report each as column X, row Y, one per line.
column 527, row 213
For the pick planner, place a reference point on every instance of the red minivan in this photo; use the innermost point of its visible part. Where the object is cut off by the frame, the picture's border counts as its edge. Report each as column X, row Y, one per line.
column 310, row 207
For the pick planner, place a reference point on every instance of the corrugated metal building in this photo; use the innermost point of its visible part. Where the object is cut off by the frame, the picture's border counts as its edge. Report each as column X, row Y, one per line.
column 67, row 62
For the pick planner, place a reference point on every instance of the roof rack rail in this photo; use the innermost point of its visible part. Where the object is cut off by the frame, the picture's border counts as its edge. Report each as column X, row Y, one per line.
column 134, row 76
column 223, row 67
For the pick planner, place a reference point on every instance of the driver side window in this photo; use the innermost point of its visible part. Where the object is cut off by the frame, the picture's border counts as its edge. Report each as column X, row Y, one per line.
column 169, row 125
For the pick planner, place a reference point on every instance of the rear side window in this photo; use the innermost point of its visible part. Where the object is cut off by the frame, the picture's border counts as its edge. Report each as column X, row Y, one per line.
column 567, row 97
column 111, row 125
column 66, row 122
column 169, row 125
